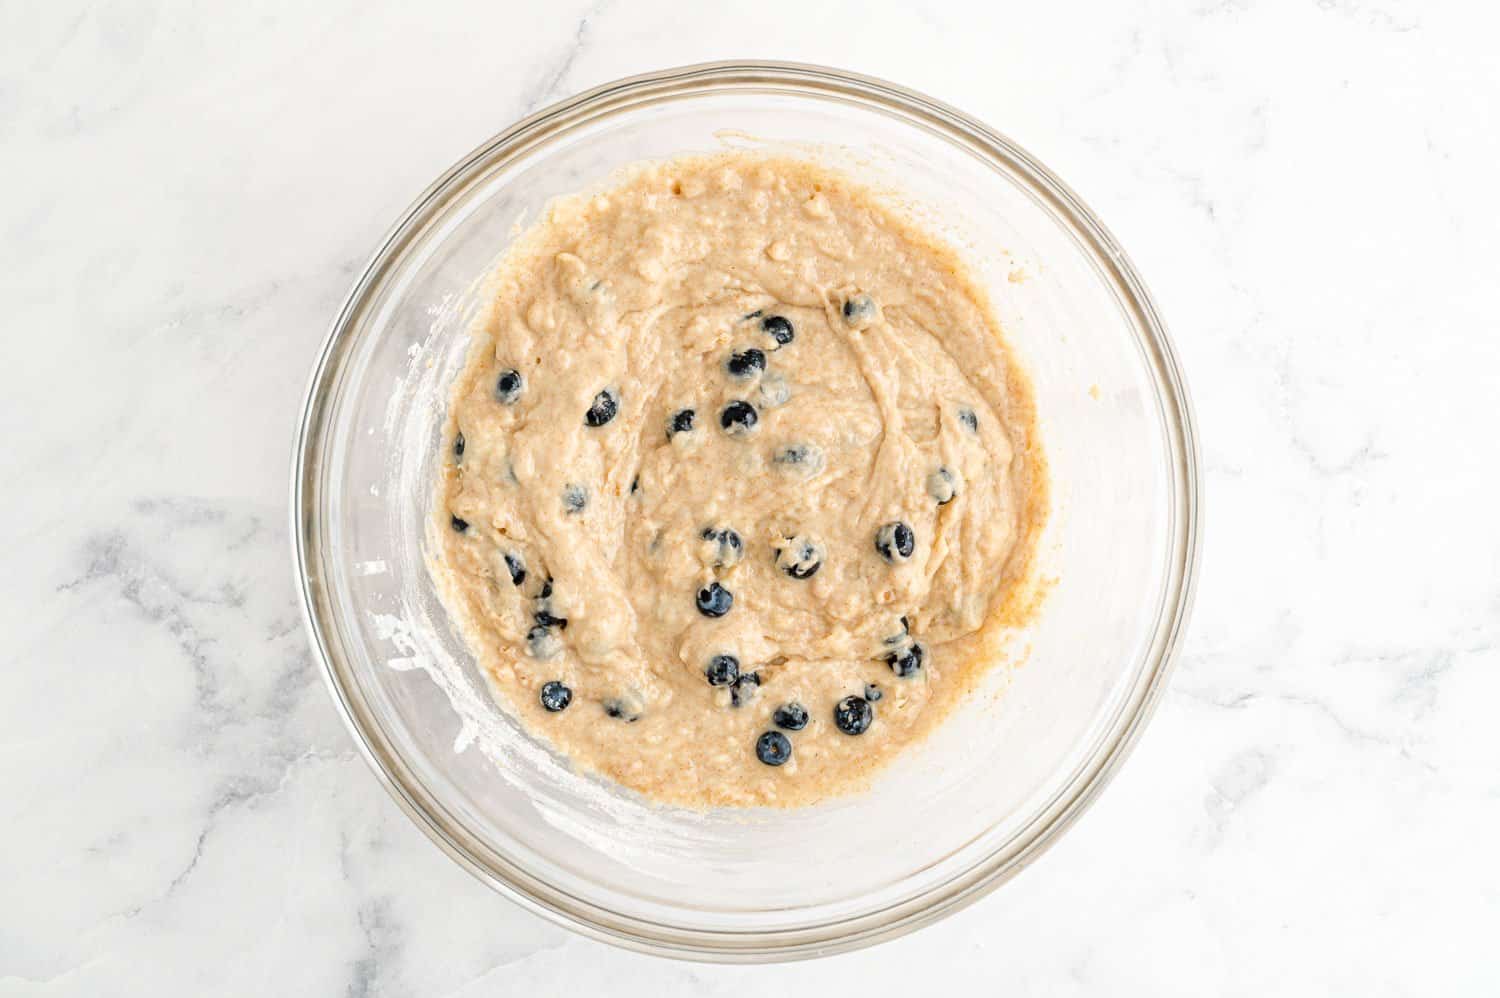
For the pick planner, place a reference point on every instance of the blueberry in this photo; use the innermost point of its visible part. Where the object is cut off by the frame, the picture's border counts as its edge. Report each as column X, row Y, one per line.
column 508, row 386
column 517, row 569
column 940, row 486
column 906, row 663
column 795, row 454
column 621, row 710
column 746, row 364
column 727, row 546
column 682, row 422
column 541, row 642
column 853, row 715
column 574, row 498
column 635, row 484
column 800, row 557
column 858, row 308
column 606, row 405
column 722, row 670
column 872, row 692
column 738, row 418
column 773, row 748
column 744, row 689
column 459, row 523
column 714, row 600
column 458, row 444
column 791, row 716
column 780, row 328
column 556, row 696
column 969, row 419
column 546, row 589
column 546, row 619
column 895, row 541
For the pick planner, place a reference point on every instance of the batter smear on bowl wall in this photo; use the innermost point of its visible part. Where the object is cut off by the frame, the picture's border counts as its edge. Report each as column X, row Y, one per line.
column 742, row 486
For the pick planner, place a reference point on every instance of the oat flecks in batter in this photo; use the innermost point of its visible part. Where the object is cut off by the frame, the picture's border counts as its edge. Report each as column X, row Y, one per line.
column 736, row 409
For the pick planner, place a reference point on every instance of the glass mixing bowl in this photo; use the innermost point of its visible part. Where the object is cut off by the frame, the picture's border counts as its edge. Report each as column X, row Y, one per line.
column 1001, row 779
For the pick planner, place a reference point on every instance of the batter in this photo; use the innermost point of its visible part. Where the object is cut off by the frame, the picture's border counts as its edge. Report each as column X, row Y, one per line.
column 742, row 482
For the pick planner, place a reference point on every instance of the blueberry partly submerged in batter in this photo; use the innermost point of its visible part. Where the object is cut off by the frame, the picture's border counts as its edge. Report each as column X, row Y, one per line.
column 508, row 387
column 941, row 486
column 516, row 567
column 738, row 418
column 746, row 363
column 780, row 328
column 621, row 710
column 773, row 748
column 458, row 444
column 555, row 696
column 853, row 715
column 606, row 405
column 744, row 689
column 872, row 692
column 800, row 557
column 575, row 498
column 725, row 545
column 460, row 524
column 791, row 716
column 681, row 422
column 969, row 418
column 714, row 600
column 906, row 663
column 722, row 670
column 895, row 541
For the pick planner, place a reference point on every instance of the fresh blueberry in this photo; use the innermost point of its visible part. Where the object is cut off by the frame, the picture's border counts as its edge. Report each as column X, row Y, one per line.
column 940, row 486
column 722, row 670
column 969, row 419
column 895, row 541
column 517, row 568
column 853, row 715
column 906, row 663
column 738, row 418
column 780, row 328
column 791, row 716
column 872, row 692
column 606, row 405
column 621, row 710
column 682, row 422
column 545, row 619
column 727, row 546
column 508, row 386
column 460, row 524
column 458, row 444
column 858, row 308
column 744, row 689
column 542, row 642
column 773, row 748
column 714, row 600
column 574, row 498
column 745, row 364
column 556, row 696
column 800, row 557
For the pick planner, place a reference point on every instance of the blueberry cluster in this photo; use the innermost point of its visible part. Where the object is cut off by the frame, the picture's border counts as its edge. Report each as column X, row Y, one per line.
column 799, row 557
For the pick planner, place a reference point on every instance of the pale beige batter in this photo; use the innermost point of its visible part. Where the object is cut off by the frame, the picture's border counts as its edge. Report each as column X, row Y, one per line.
column 736, row 420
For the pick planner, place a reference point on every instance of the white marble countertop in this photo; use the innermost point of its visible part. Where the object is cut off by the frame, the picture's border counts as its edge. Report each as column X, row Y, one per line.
column 1310, row 190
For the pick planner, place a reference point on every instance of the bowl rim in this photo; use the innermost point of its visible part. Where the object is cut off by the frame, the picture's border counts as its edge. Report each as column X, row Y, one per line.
column 835, row 936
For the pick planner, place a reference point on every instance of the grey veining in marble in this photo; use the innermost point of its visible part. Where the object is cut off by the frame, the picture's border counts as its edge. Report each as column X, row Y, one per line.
column 1309, row 187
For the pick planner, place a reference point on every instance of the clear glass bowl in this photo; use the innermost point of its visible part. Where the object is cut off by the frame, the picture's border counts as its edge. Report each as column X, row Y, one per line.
column 966, row 810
